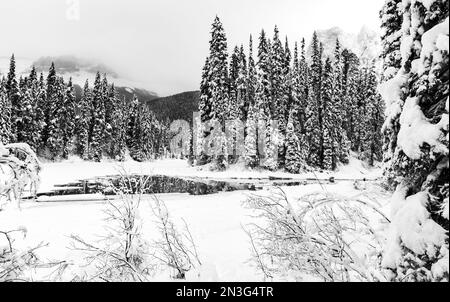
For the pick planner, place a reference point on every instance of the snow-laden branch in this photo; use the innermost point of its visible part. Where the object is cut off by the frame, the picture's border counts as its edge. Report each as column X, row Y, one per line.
column 325, row 236
column 19, row 172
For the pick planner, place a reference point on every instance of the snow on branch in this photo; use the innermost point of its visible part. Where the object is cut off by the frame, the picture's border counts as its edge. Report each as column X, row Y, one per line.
column 328, row 237
column 19, row 171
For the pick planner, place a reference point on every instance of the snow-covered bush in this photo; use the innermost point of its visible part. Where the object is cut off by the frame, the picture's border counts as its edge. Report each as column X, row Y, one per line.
column 329, row 237
column 19, row 172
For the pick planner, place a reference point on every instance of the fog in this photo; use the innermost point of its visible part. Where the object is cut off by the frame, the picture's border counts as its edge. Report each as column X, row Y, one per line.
column 163, row 43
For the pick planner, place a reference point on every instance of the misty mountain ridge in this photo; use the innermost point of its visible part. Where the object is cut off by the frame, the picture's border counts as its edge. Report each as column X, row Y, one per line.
column 79, row 70
column 365, row 44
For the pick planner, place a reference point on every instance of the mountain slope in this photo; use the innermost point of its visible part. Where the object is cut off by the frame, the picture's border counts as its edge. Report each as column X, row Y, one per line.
column 178, row 106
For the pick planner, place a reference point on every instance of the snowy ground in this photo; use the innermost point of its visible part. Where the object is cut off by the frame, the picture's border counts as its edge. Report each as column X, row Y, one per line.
column 216, row 221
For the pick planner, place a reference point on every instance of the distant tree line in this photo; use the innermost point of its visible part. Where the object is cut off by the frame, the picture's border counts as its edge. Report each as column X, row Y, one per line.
column 45, row 114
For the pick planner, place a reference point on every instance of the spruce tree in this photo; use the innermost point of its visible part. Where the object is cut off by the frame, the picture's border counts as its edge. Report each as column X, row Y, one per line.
column 263, row 95
column 218, row 72
column 313, row 129
column 133, row 129
column 351, row 75
column 204, row 114
column 232, row 105
column 303, row 80
column 330, row 120
column 13, row 95
column 294, row 157
column 82, row 122
column 67, row 120
column 49, row 110
column 31, row 116
column 251, row 77
column 373, row 121
column 391, row 24
column 241, row 86
column 279, row 91
column 417, row 97
column 251, row 140
column 5, row 115
column 54, row 146
column 97, row 122
column 338, row 100
column 119, row 127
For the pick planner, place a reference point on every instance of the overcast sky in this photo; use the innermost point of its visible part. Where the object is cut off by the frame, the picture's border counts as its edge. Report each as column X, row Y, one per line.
column 163, row 43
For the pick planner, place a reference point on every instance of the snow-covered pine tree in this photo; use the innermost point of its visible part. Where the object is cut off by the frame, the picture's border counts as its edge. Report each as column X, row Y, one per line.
column 119, row 127
column 295, row 160
column 31, row 114
column 67, row 120
column 49, row 110
column 263, row 103
column 110, row 102
column 351, row 75
column 204, row 106
column 82, row 122
column 251, row 155
column 214, row 101
column 373, row 120
column 391, row 23
column 133, row 129
column 5, row 114
column 146, row 135
column 313, row 129
column 232, row 104
column 279, row 92
column 204, row 109
column 316, row 66
column 263, row 90
column 297, row 93
column 235, row 102
column 418, row 103
column 303, row 70
column 97, row 123
column 341, row 140
column 330, row 119
column 241, row 86
column 13, row 95
column 313, row 123
column 251, row 77
column 54, row 148
column 287, row 71
column 251, row 140
column 24, row 112
column 218, row 65
column 38, row 94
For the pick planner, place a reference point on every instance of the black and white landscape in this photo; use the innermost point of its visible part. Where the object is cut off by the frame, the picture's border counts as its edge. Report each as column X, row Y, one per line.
column 235, row 141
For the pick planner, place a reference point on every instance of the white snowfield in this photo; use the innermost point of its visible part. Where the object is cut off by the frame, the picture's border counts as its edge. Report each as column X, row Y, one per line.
column 217, row 221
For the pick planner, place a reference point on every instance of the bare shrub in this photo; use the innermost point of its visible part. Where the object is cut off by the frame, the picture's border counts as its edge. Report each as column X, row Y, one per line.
column 124, row 254
column 325, row 236
column 121, row 255
column 174, row 249
column 16, row 264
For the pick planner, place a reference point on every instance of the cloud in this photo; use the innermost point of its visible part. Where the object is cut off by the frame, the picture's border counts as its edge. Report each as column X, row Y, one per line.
column 163, row 43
